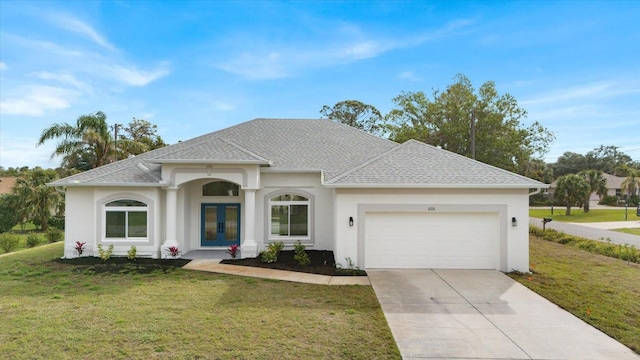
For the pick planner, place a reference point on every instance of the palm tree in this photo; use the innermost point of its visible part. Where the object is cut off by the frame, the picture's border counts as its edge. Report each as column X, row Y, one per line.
column 571, row 189
column 87, row 144
column 597, row 184
column 37, row 200
column 632, row 182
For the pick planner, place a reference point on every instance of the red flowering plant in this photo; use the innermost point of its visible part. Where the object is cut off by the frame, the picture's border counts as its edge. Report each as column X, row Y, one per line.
column 80, row 247
column 173, row 251
column 233, row 250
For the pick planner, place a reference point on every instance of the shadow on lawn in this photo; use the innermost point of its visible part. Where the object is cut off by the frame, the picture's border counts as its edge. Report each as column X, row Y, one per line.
column 122, row 265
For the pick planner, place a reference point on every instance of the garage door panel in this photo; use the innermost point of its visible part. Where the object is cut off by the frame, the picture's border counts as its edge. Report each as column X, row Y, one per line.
column 431, row 240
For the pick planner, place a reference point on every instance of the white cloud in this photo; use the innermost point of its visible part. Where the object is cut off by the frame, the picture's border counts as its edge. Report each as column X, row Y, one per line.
column 409, row 75
column 36, row 100
column 22, row 151
column 262, row 60
column 223, row 106
column 3, row 65
column 79, row 27
column 134, row 77
column 63, row 78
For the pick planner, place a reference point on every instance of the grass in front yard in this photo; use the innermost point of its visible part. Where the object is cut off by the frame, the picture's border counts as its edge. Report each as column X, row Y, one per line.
column 603, row 291
column 61, row 311
column 634, row 231
column 579, row 216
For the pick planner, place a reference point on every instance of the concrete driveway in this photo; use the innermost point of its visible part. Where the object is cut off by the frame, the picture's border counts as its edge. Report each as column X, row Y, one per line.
column 482, row 314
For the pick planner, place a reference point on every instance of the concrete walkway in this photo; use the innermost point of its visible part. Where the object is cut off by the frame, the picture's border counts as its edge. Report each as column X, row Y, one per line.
column 482, row 314
column 592, row 231
column 213, row 265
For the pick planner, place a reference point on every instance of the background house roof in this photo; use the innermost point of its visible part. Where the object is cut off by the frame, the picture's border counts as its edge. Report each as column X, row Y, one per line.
column 346, row 155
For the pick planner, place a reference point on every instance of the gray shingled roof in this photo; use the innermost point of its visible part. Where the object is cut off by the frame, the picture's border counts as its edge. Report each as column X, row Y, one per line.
column 414, row 163
column 347, row 157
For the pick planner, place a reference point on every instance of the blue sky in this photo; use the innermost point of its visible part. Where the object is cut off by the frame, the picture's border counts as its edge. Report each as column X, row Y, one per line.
column 197, row 67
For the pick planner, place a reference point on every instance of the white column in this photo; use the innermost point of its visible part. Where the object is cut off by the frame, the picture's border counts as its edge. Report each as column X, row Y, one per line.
column 249, row 246
column 171, row 211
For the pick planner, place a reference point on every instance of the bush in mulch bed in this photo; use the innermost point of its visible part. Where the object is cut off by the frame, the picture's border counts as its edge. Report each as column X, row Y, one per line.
column 122, row 265
column 322, row 262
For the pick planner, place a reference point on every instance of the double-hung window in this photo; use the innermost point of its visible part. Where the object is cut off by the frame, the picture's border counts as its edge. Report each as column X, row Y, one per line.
column 289, row 216
column 126, row 219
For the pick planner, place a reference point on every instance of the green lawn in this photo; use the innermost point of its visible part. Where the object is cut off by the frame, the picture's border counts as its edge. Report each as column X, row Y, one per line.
column 578, row 215
column 603, row 291
column 60, row 311
column 634, row 231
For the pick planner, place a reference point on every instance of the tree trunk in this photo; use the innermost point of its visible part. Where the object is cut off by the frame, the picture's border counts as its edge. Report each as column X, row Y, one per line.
column 568, row 212
column 586, row 204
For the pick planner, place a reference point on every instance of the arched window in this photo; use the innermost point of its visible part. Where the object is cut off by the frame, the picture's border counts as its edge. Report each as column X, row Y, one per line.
column 126, row 219
column 220, row 188
column 289, row 216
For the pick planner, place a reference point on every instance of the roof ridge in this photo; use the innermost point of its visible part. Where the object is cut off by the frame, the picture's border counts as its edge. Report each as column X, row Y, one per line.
column 366, row 163
column 245, row 150
column 477, row 161
column 142, row 166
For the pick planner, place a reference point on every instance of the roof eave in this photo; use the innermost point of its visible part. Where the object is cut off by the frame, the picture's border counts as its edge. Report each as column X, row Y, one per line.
column 97, row 184
column 441, row 186
column 188, row 161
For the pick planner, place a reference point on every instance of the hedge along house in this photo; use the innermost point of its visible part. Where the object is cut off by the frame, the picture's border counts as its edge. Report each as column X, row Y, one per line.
column 325, row 184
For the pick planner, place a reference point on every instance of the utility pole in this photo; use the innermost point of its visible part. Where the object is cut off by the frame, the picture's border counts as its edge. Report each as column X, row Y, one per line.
column 115, row 129
column 473, row 133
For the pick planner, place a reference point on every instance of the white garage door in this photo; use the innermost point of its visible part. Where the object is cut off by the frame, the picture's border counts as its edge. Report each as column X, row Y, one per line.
column 432, row 240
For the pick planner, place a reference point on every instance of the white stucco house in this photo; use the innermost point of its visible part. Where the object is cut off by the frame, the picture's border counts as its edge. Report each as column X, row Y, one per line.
column 328, row 185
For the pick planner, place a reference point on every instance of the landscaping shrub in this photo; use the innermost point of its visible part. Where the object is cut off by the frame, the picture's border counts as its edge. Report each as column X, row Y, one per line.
column 608, row 200
column 105, row 254
column 633, row 200
column 624, row 252
column 271, row 254
column 56, row 222
column 33, row 240
column 54, row 235
column 8, row 242
column 301, row 255
column 132, row 252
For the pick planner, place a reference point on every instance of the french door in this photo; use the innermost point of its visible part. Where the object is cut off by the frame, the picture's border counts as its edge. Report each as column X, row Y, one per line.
column 220, row 225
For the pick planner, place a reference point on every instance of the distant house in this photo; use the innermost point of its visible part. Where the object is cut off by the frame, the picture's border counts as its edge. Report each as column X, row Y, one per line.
column 614, row 187
column 7, row 184
column 325, row 184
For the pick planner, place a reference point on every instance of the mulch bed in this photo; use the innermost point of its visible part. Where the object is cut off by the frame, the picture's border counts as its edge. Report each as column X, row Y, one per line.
column 122, row 265
column 322, row 262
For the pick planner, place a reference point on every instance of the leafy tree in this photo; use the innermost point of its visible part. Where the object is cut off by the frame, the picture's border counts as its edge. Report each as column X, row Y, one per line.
column 569, row 163
column 8, row 217
column 571, row 190
column 607, row 158
column 356, row 114
column 537, row 169
column 144, row 135
column 87, row 144
column 597, row 183
column 631, row 183
column 35, row 199
column 447, row 121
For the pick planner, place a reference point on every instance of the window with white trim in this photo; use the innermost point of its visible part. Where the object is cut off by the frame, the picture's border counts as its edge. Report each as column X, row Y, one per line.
column 289, row 216
column 126, row 219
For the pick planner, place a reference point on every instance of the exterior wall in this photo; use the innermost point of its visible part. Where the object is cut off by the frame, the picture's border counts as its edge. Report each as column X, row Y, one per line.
column 322, row 205
column 80, row 220
column 355, row 202
column 85, row 220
